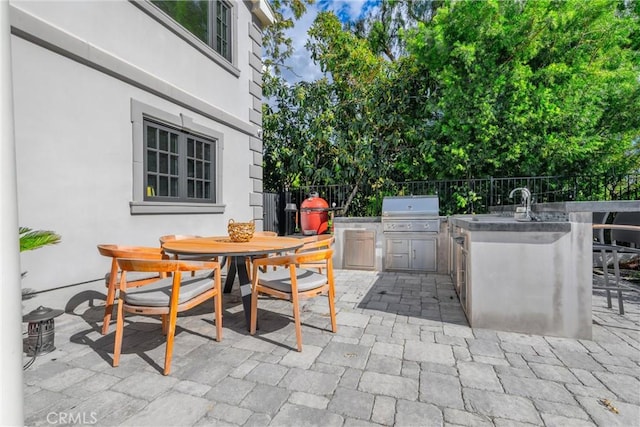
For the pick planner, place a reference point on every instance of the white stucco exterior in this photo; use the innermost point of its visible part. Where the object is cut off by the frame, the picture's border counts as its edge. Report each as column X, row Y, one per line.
column 11, row 394
column 83, row 73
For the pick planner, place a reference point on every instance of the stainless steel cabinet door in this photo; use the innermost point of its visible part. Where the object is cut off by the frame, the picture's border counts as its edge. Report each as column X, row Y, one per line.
column 423, row 254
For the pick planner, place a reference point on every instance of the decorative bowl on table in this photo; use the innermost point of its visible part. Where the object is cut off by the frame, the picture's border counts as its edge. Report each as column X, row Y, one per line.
column 241, row 231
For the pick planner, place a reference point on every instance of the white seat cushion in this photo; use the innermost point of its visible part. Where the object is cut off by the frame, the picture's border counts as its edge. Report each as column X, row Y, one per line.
column 281, row 279
column 157, row 294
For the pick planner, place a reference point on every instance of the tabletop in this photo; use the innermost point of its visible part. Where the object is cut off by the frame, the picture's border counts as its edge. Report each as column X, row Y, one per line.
column 222, row 245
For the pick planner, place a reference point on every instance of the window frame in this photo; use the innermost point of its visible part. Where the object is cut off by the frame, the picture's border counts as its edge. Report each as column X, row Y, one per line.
column 178, row 171
column 141, row 204
column 159, row 15
column 215, row 18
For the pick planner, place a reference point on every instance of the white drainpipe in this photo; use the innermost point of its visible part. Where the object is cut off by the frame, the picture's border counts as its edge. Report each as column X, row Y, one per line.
column 11, row 392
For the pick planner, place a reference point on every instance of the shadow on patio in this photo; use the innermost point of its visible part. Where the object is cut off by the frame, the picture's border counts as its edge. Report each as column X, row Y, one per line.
column 429, row 297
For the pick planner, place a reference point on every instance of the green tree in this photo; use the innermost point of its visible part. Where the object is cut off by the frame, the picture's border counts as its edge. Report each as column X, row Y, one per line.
column 532, row 88
column 356, row 72
column 276, row 43
column 459, row 90
column 299, row 147
column 385, row 27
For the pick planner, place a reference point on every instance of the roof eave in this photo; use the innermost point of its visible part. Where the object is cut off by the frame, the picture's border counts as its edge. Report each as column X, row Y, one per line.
column 262, row 9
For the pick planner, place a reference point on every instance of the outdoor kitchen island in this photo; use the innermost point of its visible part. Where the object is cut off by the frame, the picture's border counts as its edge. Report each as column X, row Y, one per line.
column 532, row 277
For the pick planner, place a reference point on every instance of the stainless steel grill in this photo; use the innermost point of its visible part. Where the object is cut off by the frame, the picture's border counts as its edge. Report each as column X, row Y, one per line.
column 411, row 213
column 411, row 225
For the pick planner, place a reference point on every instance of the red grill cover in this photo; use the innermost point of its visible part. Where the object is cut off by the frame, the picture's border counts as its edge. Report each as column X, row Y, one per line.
column 314, row 216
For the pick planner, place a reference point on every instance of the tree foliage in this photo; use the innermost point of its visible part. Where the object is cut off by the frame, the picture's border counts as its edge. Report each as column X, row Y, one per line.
column 301, row 120
column 35, row 239
column 277, row 45
column 531, row 88
column 461, row 89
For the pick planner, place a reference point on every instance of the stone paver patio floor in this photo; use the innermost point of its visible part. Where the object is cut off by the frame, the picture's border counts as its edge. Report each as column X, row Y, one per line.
column 403, row 355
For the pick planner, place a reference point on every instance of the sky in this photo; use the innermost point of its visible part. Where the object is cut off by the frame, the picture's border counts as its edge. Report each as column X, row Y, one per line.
column 300, row 61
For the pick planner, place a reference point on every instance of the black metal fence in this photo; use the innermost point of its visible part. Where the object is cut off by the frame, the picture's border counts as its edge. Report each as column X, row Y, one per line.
column 455, row 196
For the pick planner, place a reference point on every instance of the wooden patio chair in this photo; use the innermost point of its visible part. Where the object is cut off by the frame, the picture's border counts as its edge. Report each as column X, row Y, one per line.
column 135, row 279
column 258, row 234
column 293, row 283
column 173, row 237
column 167, row 297
column 321, row 241
column 311, row 243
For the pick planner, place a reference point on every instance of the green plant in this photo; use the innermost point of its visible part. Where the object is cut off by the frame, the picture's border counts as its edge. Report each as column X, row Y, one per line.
column 34, row 239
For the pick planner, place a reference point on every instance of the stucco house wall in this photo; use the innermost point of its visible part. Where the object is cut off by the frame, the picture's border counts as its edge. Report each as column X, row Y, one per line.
column 84, row 76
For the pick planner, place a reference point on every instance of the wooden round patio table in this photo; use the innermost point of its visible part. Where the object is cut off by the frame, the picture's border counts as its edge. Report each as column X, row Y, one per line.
column 236, row 253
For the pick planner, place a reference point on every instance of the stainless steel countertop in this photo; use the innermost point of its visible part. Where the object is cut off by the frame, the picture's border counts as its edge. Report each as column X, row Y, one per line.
column 601, row 206
column 491, row 222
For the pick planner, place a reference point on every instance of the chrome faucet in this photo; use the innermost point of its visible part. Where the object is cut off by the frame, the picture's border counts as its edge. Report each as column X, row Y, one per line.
column 526, row 199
